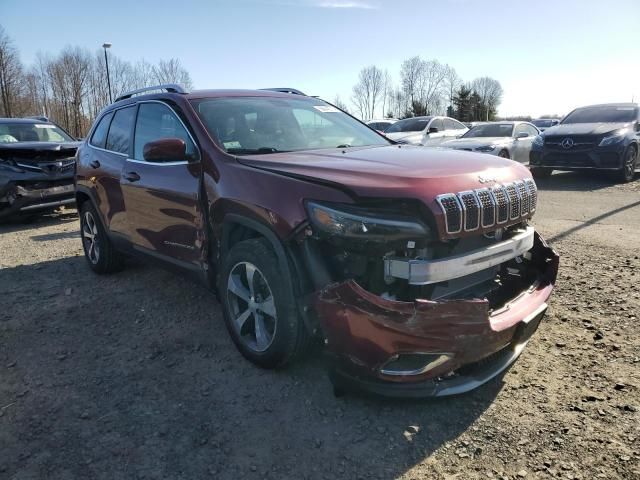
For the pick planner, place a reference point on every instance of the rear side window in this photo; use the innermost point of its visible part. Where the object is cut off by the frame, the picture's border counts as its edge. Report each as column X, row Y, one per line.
column 118, row 139
column 155, row 122
column 99, row 136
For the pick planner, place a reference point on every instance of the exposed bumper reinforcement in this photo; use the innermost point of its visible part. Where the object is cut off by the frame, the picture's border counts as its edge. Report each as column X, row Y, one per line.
column 423, row 272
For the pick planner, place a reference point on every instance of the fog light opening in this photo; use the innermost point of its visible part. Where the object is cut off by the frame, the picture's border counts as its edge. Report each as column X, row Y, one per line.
column 408, row 364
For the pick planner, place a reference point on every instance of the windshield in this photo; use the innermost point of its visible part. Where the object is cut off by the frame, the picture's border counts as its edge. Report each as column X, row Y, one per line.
column 603, row 114
column 32, row 132
column 490, row 130
column 261, row 125
column 409, row 125
column 542, row 123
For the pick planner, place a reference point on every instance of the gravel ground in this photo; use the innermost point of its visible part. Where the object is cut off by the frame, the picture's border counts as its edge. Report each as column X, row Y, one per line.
column 133, row 375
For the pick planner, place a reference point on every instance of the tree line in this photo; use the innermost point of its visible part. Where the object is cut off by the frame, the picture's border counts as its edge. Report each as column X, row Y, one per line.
column 426, row 87
column 71, row 87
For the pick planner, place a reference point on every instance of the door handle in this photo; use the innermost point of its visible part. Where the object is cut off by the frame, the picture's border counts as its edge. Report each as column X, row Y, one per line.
column 95, row 164
column 131, row 176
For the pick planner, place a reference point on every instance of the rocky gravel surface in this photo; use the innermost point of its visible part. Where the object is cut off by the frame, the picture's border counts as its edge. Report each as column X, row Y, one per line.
column 134, row 376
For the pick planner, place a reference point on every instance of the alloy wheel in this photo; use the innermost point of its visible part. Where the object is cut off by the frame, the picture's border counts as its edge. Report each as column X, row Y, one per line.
column 253, row 311
column 629, row 164
column 90, row 238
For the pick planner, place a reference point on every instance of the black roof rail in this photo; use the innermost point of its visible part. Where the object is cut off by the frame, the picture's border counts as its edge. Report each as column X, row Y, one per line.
column 285, row 90
column 40, row 118
column 169, row 87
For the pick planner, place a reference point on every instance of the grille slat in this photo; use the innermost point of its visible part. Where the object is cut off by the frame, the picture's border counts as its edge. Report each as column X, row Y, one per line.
column 486, row 207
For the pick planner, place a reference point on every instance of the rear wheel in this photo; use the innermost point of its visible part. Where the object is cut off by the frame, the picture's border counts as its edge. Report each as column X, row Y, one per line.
column 99, row 252
column 259, row 308
column 628, row 170
column 541, row 172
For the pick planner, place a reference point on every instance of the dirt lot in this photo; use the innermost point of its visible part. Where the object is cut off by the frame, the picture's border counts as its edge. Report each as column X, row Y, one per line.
column 133, row 375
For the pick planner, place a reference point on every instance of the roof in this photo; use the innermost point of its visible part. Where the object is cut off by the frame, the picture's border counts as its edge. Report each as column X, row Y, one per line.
column 21, row 120
column 240, row 93
column 624, row 105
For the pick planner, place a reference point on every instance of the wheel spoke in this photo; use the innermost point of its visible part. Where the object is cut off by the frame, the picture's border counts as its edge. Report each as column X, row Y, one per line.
column 235, row 286
column 251, row 270
column 88, row 235
column 267, row 307
column 92, row 253
column 242, row 319
column 262, row 339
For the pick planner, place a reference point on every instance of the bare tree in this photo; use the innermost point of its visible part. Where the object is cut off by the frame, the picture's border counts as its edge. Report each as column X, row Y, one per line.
column 367, row 91
column 171, row 71
column 451, row 84
column 337, row 101
column 490, row 92
column 410, row 75
column 10, row 74
column 430, row 85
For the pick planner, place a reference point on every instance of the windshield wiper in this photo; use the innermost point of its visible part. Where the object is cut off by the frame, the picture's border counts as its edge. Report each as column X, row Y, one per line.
column 254, row 151
column 344, row 145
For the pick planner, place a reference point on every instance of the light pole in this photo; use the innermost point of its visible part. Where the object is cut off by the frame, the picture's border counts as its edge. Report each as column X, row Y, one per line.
column 106, row 62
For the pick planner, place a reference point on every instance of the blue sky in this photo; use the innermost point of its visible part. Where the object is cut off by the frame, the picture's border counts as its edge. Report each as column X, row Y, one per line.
column 550, row 56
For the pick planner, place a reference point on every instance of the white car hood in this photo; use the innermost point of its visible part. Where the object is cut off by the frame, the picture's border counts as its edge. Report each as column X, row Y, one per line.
column 473, row 143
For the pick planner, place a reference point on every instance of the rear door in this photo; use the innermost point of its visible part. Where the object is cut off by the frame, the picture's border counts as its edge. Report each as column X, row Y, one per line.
column 109, row 148
column 162, row 199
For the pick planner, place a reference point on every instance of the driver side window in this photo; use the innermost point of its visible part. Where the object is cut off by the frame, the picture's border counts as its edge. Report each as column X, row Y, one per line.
column 437, row 123
column 157, row 121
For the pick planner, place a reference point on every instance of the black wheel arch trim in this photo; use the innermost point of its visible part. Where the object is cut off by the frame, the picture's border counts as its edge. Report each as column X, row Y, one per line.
column 287, row 259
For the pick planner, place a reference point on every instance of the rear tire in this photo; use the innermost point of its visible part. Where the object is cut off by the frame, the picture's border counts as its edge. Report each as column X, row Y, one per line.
column 259, row 308
column 628, row 170
column 99, row 252
column 541, row 172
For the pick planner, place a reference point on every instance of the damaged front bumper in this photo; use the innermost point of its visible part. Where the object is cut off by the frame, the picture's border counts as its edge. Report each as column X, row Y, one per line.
column 22, row 197
column 429, row 348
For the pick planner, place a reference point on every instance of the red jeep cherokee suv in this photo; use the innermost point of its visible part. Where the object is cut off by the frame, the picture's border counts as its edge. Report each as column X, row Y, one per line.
column 417, row 267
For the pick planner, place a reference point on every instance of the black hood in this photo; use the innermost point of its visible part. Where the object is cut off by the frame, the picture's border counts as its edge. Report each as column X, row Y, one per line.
column 39, row 150
column 584, row 128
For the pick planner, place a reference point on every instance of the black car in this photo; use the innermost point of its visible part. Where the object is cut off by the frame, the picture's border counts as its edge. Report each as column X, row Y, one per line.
column 37, row 163
column 603, row 137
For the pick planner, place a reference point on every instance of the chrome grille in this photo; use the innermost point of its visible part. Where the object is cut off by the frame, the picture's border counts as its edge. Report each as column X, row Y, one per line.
column 486, row 207
column 514, row 201
column 470, row 210
column 452, row 212
column 502, row 203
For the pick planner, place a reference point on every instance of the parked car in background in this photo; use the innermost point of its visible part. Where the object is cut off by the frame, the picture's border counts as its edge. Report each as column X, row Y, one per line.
column 429, row 131
column 473, row 124
column 504, row 139
column 381, row 124
column 418, row 268
column 603, row 137
column 543, row 123
column 36, row 166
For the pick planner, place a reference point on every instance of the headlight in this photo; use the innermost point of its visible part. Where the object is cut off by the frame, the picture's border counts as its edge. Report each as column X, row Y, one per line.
column 615, row 137
column 486, row 148
column 355, row 223
column 538, row 141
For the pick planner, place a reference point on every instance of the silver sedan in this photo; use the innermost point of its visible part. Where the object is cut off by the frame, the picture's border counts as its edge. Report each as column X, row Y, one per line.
column 504, row 139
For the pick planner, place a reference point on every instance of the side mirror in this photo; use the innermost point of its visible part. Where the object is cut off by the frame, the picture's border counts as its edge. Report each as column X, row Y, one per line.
column 522, row 135
column 433, row 130
column 165, row 150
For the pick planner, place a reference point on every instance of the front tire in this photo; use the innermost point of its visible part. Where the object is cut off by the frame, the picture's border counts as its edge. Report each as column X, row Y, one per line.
column 541, row 172
column 259, row 308
column 504, row 154
column 99, row 252
column 628, row 170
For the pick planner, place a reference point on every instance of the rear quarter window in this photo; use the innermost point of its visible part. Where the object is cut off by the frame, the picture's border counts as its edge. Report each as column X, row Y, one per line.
column 119, row 137
column 99, row 136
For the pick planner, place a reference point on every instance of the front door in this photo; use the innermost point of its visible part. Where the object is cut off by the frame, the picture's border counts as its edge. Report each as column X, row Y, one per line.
column 435, row 137
column 162, row 199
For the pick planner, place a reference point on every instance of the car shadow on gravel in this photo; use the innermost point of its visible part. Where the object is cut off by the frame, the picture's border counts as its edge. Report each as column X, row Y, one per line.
column 133, row 375
column 19, row 224
column 578, row 181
